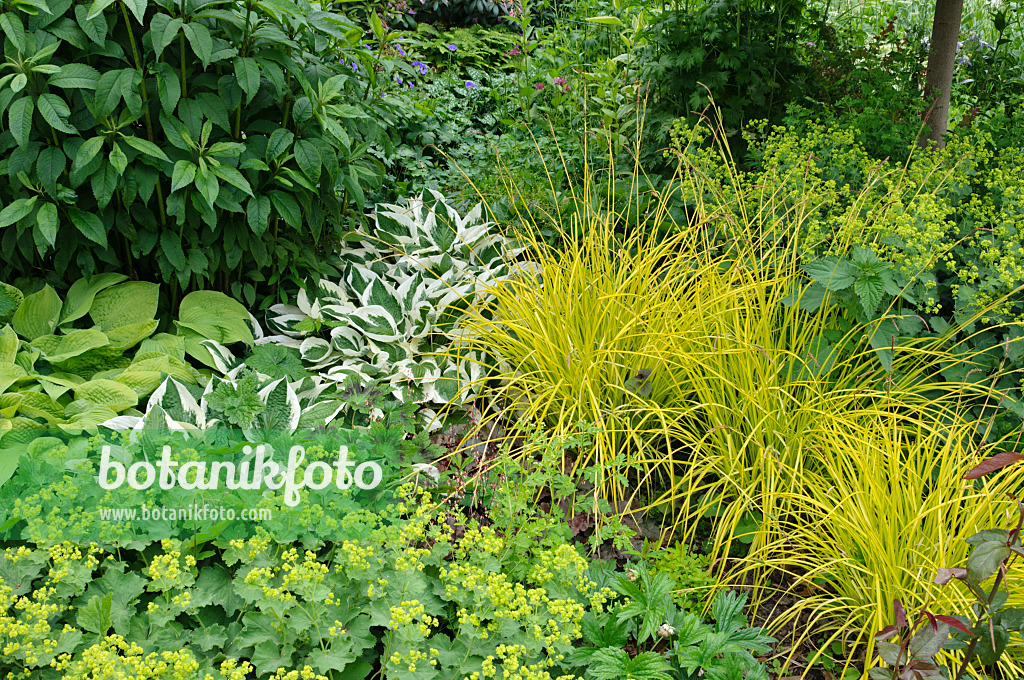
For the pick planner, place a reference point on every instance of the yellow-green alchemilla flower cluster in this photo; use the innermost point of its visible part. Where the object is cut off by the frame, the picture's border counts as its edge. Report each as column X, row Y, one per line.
column 956, row 214
column 423, row 584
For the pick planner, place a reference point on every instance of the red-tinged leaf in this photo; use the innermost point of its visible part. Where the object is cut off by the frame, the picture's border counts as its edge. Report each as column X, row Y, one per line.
column 946, row 575
column 899, row 614
column 933, row 621
column 886, row 633
column 950, row 621
column 996, row 462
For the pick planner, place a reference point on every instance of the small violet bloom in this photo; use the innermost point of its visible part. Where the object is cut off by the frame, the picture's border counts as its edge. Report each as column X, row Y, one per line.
column 559, row 81
column 421, row 66
column 400, row 50
column 453, row 47
column 540, row 86
column 470, row 83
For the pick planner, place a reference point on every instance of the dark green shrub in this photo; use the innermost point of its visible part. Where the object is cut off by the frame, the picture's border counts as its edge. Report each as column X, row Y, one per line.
column 743, row 51
column 207, row 144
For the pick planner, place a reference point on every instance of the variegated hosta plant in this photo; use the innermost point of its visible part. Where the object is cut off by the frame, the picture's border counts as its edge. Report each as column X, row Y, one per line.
column 396, row 314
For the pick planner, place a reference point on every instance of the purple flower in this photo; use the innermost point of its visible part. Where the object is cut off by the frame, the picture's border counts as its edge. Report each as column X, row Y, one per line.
column 398, row 79
column 410, row 85
column 355, row 66
column 539, row 86
column 559, row 81
column 452, row 47
column 470, row 83
column 421, row 66
column 400, row 50
column 810, row 44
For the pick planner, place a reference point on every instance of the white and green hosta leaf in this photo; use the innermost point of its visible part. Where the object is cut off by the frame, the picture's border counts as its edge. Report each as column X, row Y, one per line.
column 376, row 323
column 314, row 350
column 283, row 409
column 347, row 342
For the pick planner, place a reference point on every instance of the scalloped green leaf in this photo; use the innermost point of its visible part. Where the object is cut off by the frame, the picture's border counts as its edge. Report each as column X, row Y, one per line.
column 38, row 314
column 125, row 304
column 56, row 348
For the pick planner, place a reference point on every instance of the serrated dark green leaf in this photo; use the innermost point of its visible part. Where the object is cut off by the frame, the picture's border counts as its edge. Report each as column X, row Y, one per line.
column 89, row 224
column 47, row 223
column 198, row 37
column 257, row 212
column 75, row 76
column 19, row 117
column 49, row 167
column 247, row 73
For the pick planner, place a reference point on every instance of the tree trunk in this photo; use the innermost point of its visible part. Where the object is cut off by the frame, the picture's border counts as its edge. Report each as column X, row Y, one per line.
column 941, row 60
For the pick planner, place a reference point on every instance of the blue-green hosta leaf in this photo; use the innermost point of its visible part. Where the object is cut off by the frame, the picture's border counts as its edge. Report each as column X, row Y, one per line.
column 376, row 323
column 56, row 348
column 38, row 314
column 114, row 395
column 124, row 304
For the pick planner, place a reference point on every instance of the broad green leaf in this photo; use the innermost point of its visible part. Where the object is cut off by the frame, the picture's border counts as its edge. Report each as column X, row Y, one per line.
column 97, row 8
column 308, row 158
column 287, row 208
column 215, row 316
column 280, row 141
column 168, row 86
column 114, row 395
column 75, row 76
column 118, row 159
column 183, row 174
column 10, row 373
column 164, row 343
column 8, row 345
column 247, row 73
column 55, row 112
column 87, row 152
column 198, row 37
column 606, row 20
column 49, row 167
column 123, row 338
column 232, row 177
column 125, row 304
column 207, row 185
column 138, row 8
column 47, row 223
column 258, row 213
column 832, row 272
column 869, row 289
column 20, row 118
column 38, row 314
column 57, row 348
column 147, row 147
column 170, row 246
column 13, row 29
column 163, row 31
column 10, row 299
column 82, row 292
column 17, row 210
column 89, row 224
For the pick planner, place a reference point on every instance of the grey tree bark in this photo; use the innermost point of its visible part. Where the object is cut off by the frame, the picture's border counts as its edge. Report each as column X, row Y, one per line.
column 941, row 60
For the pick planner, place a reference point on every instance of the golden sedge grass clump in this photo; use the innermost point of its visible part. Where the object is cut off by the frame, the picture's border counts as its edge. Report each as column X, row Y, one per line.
column 718, row 396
